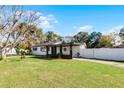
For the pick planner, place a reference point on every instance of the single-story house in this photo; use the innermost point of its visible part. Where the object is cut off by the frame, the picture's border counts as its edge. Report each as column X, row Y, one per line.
column 9, row 51
column 59, row 49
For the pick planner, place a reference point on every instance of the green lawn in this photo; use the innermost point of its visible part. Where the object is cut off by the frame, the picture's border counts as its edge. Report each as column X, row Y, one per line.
column 35, row 72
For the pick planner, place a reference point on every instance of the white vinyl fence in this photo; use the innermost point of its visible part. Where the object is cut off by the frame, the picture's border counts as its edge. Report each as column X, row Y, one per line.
column 103, row 53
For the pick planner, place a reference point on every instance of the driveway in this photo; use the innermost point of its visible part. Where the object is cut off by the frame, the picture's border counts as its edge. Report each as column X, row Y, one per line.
column 116, row 64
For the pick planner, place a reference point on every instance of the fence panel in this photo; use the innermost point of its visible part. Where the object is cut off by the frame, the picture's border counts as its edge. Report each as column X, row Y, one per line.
column 104, row 53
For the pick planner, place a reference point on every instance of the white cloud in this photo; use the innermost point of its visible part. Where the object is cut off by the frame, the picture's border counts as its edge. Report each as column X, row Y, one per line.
column 39, row 13
column 52, row 18
column 114, row 31
column 116, row 28
column 47, row 22
column 42, row 18
column 46, row 25
column 85, row 28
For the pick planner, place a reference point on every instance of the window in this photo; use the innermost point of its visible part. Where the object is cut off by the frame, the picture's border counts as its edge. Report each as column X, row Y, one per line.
column 35, row 48
column 43, row 49
column 64, row 49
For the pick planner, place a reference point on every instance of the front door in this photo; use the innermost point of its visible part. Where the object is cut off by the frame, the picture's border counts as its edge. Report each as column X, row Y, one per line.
column 54, row 51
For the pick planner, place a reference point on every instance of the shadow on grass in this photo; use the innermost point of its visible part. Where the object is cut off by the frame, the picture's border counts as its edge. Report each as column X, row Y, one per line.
column 40, row 57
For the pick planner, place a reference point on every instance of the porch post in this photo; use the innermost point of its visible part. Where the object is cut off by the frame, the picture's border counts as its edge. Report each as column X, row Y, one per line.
column 71, row 50
column 60, row 50
column 47, row 48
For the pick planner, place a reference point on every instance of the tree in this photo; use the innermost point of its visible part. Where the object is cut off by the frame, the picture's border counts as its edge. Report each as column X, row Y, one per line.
column 105, row 41
column 121, row 34
column 81, row 37
column 93, row 40
column 52, row 37
column 34, row 36
column 116, row 39
column 10, row 20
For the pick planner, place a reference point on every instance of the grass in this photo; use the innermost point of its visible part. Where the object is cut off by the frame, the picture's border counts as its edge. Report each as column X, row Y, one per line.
column 39, row 73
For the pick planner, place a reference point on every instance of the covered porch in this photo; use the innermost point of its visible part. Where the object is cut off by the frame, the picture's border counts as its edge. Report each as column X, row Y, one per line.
column 59, row 50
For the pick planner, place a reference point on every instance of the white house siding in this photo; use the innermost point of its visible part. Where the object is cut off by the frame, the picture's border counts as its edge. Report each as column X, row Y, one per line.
column 104, row 53
column 10, row 51
column 67, row 52
column 58, row 50
column 50, row 50
column 77, row 49
column 38, row 51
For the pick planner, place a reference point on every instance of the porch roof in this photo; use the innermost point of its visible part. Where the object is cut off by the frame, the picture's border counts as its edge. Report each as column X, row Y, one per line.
column 56, row 44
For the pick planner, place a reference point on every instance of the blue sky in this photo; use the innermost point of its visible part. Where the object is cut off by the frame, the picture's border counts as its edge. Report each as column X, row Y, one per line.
column 68, row 20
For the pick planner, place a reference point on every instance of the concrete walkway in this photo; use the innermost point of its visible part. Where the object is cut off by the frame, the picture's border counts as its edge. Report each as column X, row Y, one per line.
column 116, row 64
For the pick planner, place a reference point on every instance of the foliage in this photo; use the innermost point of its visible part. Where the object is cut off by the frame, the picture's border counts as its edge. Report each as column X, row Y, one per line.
column 27, row 51
column 93, row 40
column 116, row 39
column 17, row 50
column 105, row 41
column 121, row 33
column 52, row 37
column 81, row 37
column 34, row 36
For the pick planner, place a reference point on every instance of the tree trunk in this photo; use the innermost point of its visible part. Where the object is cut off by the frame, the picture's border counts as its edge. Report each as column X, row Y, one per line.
column 1, row 54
